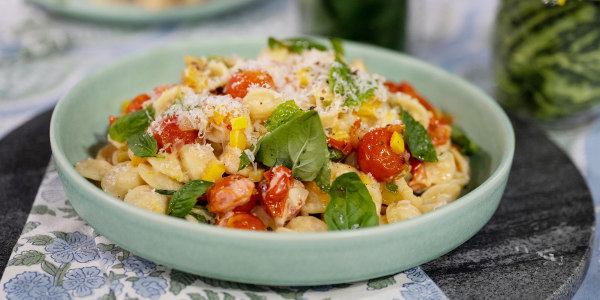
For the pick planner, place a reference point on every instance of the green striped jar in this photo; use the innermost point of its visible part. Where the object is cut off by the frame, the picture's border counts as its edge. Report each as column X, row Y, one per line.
column 547, row 60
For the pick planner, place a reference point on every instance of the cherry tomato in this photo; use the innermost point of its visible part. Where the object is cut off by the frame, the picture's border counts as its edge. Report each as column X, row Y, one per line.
column 228, row 193
column 375, row 155
column 418, row 174
column 275, row 190
column 243, row 220
column 250, row 205
column 112, row 119
column 406, row 88
column 169, row 136
column 348, row 145
column 238, row 85
column 439, row 131
column 136, row 103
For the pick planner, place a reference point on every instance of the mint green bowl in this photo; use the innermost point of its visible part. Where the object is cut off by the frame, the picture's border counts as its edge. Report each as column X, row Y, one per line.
column 79, row 123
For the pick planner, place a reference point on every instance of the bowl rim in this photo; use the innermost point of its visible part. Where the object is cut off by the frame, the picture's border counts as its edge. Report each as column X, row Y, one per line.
column 498, row 175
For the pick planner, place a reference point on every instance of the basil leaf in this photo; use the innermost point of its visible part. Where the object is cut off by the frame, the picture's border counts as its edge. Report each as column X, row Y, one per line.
column 337, row 46
column 245, row 159
column 336, row 155
column 202, row 214
column 282, row 114
column 344, row 83
column 185, row 198
column 299, row 145
column 165, row 192
column 295, row 45
column 459, row 138
column 130, row 124
column 323, row 179
column 350, row 204
column 392, row 187
column 418, row 139
column 143, row 145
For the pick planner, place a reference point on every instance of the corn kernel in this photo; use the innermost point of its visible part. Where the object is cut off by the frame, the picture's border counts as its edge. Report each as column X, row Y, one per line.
column 136, row 160
column 214, row 171
column 237, row 139
column 256, row 175
column 303, row 76
column 397, row 143
column 125, row 106
column 368, row 109
column 218, row 118
column 239, row 123
column 365, row 179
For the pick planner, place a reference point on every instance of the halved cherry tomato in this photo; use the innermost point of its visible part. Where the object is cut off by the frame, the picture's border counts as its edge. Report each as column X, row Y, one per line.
column 407, row 88
column 169, row 136
column 243, row 220
column 238, row 85
column 254, row 199
column 275, row 189
column 228, row 193
column 375, row 155
column 136, row 103
column 348, row 145
column 112, row 119
column 439, row 131
column 418, row 174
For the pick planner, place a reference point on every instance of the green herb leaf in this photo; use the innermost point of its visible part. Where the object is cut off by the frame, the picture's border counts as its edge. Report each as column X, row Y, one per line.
column 418, row 139
column 202, row 214
column 350, row 204
column 130, row 124
column 184, row 200
column 165, row 192
column 459, row 138
column 336, row 155
column 337, row 46
column 295, row 45
column 299, row 145
column 282, row 114
column 245, row 159
column 323, row 179
column 392, row 187
column 143, row 145
column 344, row 83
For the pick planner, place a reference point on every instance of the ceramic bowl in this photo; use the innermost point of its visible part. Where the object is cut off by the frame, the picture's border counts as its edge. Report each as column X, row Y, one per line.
column 79, row 125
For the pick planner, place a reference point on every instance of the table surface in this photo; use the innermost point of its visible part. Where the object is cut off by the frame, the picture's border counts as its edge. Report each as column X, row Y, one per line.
column 53, row 53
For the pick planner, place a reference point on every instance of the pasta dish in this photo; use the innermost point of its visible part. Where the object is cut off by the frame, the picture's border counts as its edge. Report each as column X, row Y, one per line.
column 298, row 140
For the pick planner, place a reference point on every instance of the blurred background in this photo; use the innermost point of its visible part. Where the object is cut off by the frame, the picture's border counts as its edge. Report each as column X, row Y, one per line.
column 537, row 57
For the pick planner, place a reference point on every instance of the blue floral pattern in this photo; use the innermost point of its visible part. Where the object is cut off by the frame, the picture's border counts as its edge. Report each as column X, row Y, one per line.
column 77, row 247
column 138, row 265
column 83, row 281
column 150, row 287
column 81, row 264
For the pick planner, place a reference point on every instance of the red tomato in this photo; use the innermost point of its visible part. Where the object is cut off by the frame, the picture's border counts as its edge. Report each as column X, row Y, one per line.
column 136, row 103
column 439, row 131
column 375, row 155
column 275, row 190
column 228, row 193
column 348, row 145
column 250, row 205
column 169, row 136
column 406, row 88
column 238, row 85
column 112, row 119
column 243, row 220
column 418, row 174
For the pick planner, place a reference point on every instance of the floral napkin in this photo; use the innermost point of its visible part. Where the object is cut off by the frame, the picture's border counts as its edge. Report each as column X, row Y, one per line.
column 58, row 256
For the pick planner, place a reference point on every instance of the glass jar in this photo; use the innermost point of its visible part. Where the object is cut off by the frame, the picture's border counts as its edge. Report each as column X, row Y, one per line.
column 379, row 22
column 547, row 60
